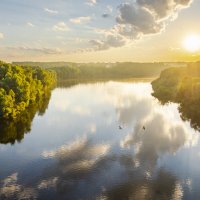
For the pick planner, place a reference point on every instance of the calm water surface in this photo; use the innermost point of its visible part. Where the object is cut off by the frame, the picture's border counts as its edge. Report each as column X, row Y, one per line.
column 103, row 141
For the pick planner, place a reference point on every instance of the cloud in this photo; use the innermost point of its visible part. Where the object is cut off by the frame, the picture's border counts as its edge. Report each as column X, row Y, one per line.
column 1, row 35
column 43, row 50
column 61, row 26
column 110, row 41
column 81, row 111
column 30, row 24
column 145, row 17
column 79, row 154
column 91, row 2
column 164, row 185
column 164, row 9
column 53, row 12
column 110, row 8
column 76, row 162
column 138, row 18
column 161, row 136
column 75, row 150
column 92, row 128
column 49, row 183
column 12, row 190
column 80, row 20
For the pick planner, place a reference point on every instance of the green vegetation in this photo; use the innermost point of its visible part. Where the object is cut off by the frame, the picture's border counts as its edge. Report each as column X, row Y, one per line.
column 14, row 130
column 181, row 85
column 21, row 87
column 66, row 71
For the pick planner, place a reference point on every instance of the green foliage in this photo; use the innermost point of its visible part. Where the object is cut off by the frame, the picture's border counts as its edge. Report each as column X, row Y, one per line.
column 66, row 71
column 181, row 85
column 14, row 130
column 107, row 71
column 21, row 87
column 167, row 85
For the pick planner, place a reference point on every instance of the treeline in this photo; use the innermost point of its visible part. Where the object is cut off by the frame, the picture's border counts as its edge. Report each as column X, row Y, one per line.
column 67, row 71
column 106, row 71
column 181, row 85
column 20, row 87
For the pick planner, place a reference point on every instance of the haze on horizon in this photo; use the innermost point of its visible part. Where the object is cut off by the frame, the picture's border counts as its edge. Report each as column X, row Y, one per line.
column 99, row 31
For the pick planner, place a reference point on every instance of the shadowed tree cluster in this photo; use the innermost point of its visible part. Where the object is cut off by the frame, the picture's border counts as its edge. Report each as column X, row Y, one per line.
column 14, row 130
column 181, row 85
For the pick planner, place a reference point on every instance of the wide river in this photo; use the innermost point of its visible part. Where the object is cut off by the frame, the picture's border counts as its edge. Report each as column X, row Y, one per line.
column 103, row 141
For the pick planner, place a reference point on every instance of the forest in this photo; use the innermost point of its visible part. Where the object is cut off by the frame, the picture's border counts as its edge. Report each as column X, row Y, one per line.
column 181, row 85
column 66, row 71
column 21, row 87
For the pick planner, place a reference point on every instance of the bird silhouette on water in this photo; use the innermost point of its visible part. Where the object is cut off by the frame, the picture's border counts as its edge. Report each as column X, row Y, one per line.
column 120, row 127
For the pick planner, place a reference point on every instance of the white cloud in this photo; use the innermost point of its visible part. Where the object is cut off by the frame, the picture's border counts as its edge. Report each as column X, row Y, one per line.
column 109, row 41
column 164, row 9
column 80, row 20
column 81, row 111
column 49, row 183
column 92, row 128
column 110, row 8
column 30, row 24
column 61, row 26
column 108, row 11
column 53, row 12
column 79, row 146
column 145, row 17
column 139, row 18
column 1, row 35
column 43, row 50
column 11, row 189
column 91, row 2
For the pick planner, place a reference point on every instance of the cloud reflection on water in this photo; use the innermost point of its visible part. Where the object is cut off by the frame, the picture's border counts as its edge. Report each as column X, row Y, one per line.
column 102, row 165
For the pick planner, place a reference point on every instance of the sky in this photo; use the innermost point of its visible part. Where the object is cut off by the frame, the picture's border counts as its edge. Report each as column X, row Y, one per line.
column 98, row 30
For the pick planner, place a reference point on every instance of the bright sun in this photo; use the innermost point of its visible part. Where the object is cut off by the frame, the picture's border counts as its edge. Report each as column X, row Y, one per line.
column 192, row 43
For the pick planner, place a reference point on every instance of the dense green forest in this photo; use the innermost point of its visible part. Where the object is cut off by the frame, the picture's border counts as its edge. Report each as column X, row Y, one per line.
column 67, row 71
column 181, row 85
column 14, row 130
column 21, row 87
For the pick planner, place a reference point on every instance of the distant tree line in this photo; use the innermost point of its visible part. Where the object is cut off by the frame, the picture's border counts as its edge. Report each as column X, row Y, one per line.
column 106, row 71
column 66, row 71
column 181, row 85
column 21, row 87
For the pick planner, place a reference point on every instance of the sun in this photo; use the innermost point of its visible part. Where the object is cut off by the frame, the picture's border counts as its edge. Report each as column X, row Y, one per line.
column 192, row 43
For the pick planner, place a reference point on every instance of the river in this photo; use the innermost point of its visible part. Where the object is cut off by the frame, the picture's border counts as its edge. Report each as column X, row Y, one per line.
column 103, row 141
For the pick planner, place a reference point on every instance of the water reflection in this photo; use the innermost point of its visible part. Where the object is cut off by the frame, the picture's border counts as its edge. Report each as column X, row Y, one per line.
column 190, row 112
column 164, row 186
column 76, row 162
column 82, row 154
column 11, row 189
column 189, row 109
column 12, row 131
column 159, row 137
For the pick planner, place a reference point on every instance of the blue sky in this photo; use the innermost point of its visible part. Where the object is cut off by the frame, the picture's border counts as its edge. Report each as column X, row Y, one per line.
column 75, row 30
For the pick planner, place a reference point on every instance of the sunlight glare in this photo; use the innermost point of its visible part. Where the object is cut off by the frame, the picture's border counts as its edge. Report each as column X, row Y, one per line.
column 192, row 43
